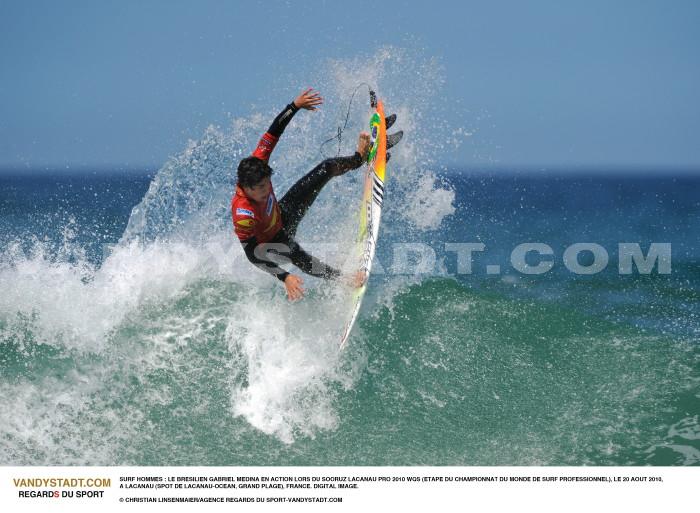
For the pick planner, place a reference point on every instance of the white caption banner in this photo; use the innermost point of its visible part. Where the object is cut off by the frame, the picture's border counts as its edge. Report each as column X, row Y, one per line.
column 540, row 489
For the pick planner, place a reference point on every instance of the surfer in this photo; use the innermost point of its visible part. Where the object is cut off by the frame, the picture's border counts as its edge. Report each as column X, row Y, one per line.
column 265, row 227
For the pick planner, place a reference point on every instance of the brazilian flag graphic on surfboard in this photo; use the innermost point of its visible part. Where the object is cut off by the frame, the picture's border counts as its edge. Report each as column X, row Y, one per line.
column 372, row 199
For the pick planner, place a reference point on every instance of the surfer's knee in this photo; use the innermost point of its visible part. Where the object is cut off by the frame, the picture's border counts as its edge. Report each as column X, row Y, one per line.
column 327, row 168
column 339, row 165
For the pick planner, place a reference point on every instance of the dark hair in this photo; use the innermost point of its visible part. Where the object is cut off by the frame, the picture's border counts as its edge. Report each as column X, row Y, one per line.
column 251, row 171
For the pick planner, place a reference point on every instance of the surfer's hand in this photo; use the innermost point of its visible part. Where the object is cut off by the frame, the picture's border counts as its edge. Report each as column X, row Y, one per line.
column 363, row 145
column 308, row 99
column 355, row 280
column 293, row 286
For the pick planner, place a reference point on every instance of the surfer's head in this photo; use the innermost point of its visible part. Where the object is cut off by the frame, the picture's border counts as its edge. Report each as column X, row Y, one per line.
column 254, row 178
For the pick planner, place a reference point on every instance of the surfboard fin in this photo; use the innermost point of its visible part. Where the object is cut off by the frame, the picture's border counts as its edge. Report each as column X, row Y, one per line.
column 388, row 156
column 389, row 120
column 393, row 139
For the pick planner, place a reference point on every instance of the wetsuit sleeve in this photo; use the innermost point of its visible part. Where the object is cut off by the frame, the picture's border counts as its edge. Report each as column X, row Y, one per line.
column 262, row 263
column 282, row 120
column 269, row 140
column 311, row 265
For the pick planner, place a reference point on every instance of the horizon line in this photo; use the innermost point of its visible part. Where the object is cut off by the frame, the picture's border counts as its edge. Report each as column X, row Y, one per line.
column 466, row 169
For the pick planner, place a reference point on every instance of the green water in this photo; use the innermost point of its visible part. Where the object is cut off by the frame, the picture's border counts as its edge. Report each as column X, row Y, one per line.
column 437, row 375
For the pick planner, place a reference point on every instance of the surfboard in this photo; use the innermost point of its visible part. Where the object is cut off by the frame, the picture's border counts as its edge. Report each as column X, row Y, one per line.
column 370, row 211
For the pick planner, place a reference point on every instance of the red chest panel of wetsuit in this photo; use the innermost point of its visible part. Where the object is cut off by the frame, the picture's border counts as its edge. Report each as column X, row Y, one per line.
column 251, row 219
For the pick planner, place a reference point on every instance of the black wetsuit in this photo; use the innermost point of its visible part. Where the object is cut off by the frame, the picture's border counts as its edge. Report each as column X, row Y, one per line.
column 293, row 206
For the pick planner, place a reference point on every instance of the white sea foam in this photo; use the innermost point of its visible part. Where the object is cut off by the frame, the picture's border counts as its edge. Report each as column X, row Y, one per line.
column 72, row 305
column 290, row 363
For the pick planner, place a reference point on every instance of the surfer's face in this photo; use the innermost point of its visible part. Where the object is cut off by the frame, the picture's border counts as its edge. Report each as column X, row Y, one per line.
column 260, row 191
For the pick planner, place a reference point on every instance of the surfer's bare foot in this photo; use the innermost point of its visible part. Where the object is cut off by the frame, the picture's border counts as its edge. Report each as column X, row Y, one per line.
column 363, row 145
column 293, row 285
column 356, row 279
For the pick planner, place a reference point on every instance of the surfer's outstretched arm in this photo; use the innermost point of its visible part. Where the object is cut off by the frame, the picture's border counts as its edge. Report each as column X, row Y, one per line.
column 308, row 100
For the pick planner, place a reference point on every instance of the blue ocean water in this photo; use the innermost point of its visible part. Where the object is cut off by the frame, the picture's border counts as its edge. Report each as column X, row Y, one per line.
column 133, row 331
column 443, row 368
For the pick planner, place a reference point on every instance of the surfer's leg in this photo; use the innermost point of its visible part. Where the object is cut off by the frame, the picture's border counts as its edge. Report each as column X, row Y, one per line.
column 302, row 194
column 309, row 264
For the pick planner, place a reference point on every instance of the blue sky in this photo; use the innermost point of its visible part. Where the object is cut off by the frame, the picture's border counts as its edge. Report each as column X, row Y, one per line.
column 563, row 84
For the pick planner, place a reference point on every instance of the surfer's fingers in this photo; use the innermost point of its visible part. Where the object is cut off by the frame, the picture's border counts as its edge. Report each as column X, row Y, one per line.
column 307, row 99
column 309, row 102
column 310, row 94
column 295, row 290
